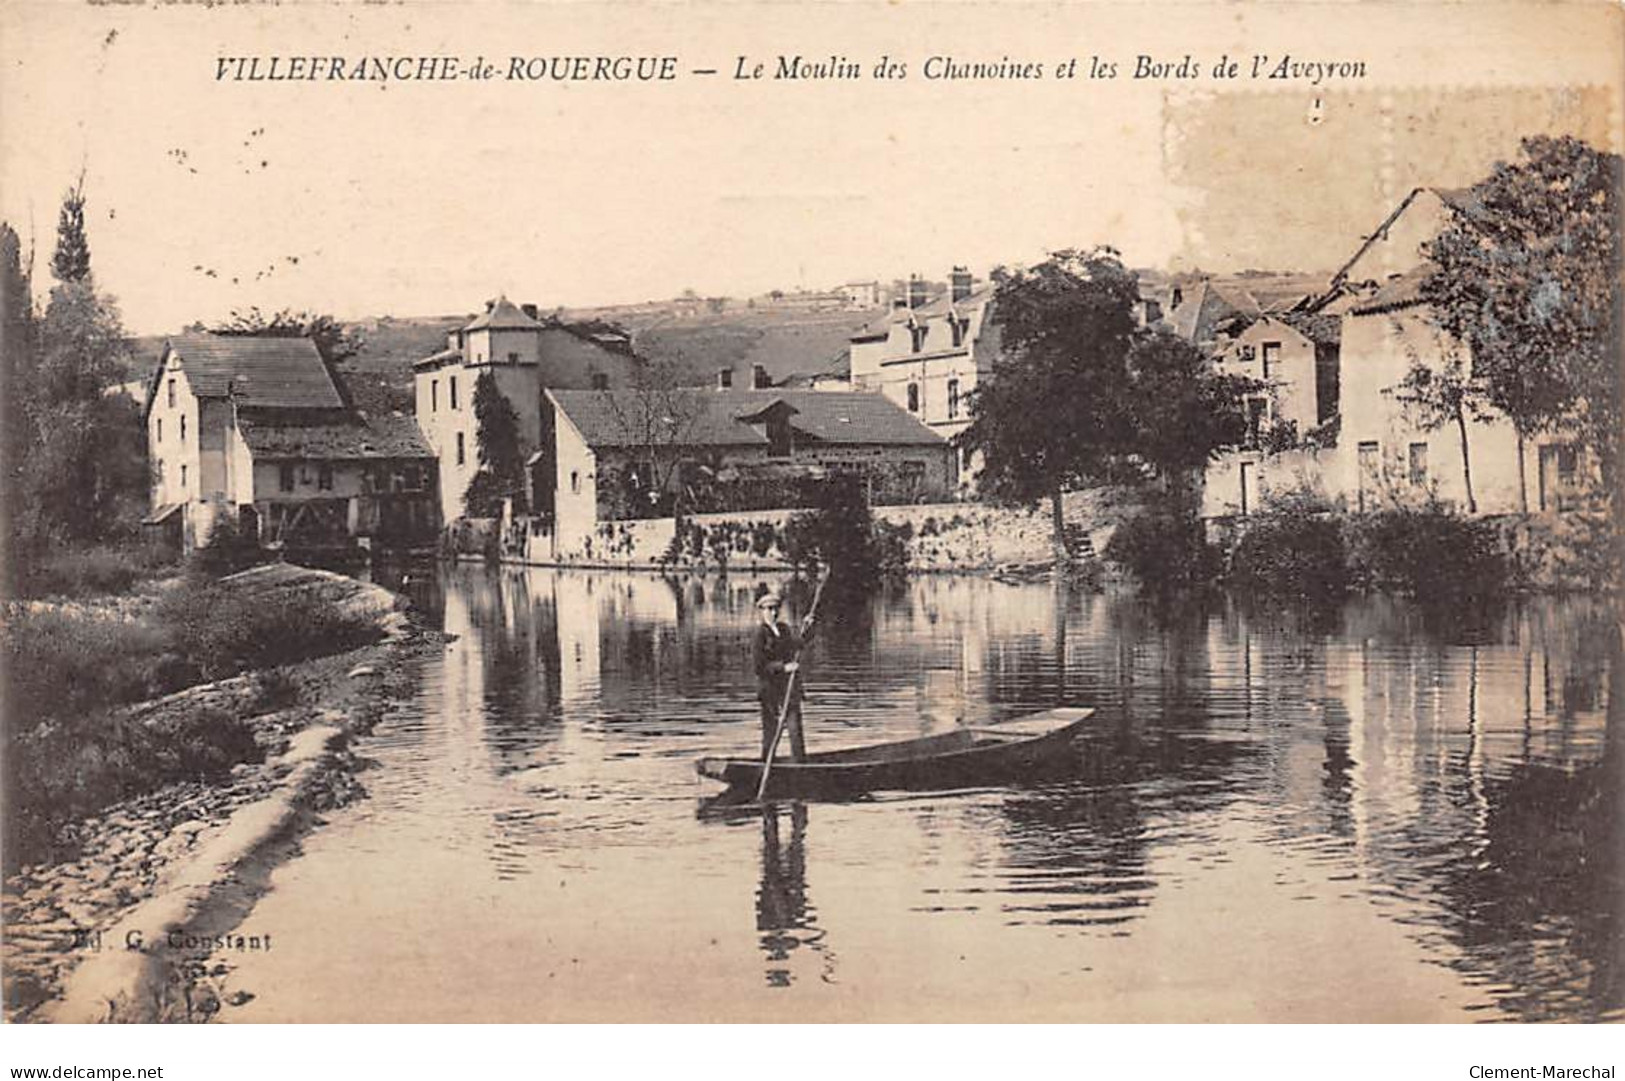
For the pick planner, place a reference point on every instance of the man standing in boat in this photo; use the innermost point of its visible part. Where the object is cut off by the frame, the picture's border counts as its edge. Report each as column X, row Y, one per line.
column 775, row 653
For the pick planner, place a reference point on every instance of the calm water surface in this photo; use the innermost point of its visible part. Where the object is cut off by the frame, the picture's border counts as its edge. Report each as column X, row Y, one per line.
column 1356, row 817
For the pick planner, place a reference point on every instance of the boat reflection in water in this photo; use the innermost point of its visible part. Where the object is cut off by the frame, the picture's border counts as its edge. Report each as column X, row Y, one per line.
column 1428, row 809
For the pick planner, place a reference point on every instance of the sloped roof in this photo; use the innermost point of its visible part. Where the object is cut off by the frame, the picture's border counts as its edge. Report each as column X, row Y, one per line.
column 881, row 324
column 1322, row 329
column 1401, row 291
column 606, row 418
column 284, row 373
column 389, row 435
column 504, row 315
column 1198, row 317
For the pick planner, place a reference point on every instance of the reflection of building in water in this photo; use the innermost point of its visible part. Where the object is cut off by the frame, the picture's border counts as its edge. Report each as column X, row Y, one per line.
column 577, row 609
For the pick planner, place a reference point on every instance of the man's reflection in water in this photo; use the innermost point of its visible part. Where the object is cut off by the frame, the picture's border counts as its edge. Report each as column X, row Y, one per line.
column 784, row 919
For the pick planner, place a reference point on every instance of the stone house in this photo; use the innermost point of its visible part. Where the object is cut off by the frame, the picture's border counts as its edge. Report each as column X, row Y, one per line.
column 928, row 356
column 260, row 430
column 619, row 454
column 524, row 353
column 1377, row 450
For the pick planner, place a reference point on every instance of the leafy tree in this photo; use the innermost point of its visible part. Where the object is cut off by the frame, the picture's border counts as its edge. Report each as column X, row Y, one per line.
column 71, row 261
column 656, row 417
column 76, row 465
column 18, row 360
column 1528, row 274
column 502, row 463
column 1436, row 396
column 336, row 342
column 1181, row 412
column 1053, row 412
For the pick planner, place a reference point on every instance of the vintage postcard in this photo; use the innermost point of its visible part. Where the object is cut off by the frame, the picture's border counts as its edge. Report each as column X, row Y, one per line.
column 818, row 512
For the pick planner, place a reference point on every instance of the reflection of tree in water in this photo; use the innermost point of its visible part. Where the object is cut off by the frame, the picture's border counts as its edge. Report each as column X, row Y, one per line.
column 519, row 647
column 1543, row 906
column 785, row 921
column 1080, row 847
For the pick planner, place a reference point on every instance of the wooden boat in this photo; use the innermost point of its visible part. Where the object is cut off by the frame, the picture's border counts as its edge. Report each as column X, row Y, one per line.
column 963, row 758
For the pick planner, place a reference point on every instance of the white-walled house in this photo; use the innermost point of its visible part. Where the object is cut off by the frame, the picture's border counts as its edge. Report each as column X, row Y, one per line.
column 1382, row 452
column 259, row 429
column 929, row 356
column 524, row 354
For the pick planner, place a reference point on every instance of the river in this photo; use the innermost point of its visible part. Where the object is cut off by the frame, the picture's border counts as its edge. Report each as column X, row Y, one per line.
column 1357, row 815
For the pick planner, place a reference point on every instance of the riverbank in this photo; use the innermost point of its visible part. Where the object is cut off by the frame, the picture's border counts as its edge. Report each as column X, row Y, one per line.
column 170, row 866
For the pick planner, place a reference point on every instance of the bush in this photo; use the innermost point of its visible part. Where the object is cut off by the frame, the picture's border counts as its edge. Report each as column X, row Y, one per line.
column 62, row 772
column 1294, row 549
column 1428, row 553
column 1165, row 549
column 228, row 551
column 223, row 632
column 89, row 571
column 58, row 666
column 844, row 535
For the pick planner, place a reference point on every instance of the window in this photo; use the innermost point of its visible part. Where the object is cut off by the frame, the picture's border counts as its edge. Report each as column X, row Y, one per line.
column 324, row 477
column 1369, row 464
column 513, row 358
column 452, row 390
column 434, row 395
column 1257, row 408
column 160, row 429
column 1272, row 359
column 459, row 448
column 285, row 477
column 575, row 482
column 1418, row 462
column 172, row 392
column 600, row 381
column 1246, row 354
column 183, row 427
column 953, row 398
column 957, row 326
column 914, row 397
column 183, row 475
column 917, row 336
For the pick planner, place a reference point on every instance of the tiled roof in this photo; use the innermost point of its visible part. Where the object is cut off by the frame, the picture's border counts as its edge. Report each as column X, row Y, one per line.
column 610, row 418
column 1322, row 328
column 1397, row 292
column 285, row 373
column 504, row 315
column 1198, row 318
column 390, row 435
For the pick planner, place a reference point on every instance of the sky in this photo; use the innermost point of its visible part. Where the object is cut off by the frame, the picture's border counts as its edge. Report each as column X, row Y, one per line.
column 416, row 198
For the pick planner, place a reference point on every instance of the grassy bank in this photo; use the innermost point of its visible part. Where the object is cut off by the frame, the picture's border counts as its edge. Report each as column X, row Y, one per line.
column 71, row 744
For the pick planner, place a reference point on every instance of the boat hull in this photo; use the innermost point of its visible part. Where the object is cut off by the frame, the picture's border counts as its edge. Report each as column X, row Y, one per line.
column 965, row 758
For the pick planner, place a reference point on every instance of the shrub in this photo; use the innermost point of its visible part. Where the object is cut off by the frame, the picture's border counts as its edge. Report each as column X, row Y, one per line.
column 228, row 551
column 843, row 534
column 1428, row 553
column 89, row 571
column 1165, row 549
column 58, row 666
column 1294, row 549
column 223, row 632
column 61, row 772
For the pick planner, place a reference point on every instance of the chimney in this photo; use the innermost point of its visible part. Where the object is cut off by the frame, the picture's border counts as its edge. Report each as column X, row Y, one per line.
column 489, row 304
column 725, row 378
column 959, row 283
column 530, row 310
column 758, row 377
column 916, row 291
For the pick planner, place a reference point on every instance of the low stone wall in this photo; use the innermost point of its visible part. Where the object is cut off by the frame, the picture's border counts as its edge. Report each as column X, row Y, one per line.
column 941, row 537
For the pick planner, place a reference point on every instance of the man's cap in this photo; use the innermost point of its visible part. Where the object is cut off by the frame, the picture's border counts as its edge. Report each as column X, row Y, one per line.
column 770, row 599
